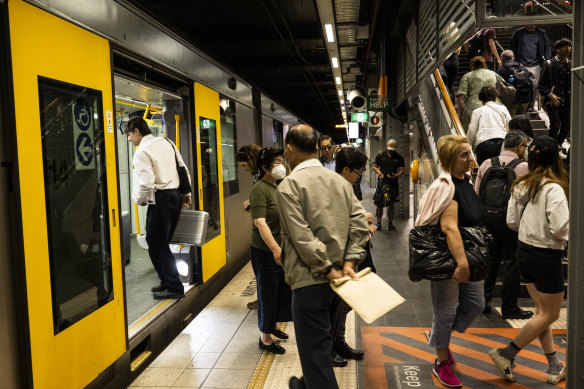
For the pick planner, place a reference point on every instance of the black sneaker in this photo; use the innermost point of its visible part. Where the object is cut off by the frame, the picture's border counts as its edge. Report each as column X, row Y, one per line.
column 379, row 227
column 391, row 227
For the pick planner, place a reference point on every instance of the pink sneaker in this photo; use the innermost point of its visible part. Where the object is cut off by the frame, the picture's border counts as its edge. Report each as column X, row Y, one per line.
column 450, row 356
column 446, row 375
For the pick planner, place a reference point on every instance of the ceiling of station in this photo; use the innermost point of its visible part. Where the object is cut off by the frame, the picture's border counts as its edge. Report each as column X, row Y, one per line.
column 277, row 45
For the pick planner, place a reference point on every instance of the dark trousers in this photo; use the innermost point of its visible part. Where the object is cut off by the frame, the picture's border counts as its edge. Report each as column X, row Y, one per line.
column 161, row 220
column 274, row 294
column 451, row 66
column 489, row 149
column 315, row 312
column 503, row 248
column 559, row 123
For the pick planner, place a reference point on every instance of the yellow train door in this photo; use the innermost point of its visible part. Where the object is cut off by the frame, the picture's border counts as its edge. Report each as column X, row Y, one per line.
column 210, row 173
column 68, row 184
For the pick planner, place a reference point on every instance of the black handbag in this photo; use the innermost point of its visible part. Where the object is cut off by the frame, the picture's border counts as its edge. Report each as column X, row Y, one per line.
column 184, row 185
column 430, row 258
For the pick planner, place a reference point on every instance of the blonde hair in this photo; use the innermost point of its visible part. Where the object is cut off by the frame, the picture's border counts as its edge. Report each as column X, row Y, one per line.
column 447, row 149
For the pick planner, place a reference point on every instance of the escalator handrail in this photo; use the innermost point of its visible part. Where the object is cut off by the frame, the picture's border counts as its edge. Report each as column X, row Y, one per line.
column 453, row 115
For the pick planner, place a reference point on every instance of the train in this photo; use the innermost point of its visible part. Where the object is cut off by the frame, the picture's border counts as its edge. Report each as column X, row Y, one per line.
column 75, row 278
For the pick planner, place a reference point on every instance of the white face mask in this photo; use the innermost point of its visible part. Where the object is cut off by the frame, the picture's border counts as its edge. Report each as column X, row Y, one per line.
column 525, row 154
column 278, row 172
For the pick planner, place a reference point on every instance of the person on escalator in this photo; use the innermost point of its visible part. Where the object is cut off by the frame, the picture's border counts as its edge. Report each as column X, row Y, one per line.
column 470, row 84
column 521, row 78
column 488, row 126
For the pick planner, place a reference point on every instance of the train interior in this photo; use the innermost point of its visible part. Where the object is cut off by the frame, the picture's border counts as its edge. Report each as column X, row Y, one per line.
column 132, row 99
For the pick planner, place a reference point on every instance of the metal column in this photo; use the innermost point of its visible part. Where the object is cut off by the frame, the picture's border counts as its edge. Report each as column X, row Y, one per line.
column 575, row 352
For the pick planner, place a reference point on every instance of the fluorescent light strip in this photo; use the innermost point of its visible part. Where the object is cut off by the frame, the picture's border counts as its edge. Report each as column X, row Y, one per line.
column 340, row 93
column 335, row 62
column 329, row 32
column 338, row 79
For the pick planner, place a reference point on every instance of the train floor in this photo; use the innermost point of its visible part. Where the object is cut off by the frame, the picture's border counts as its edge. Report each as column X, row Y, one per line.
column 219, row 348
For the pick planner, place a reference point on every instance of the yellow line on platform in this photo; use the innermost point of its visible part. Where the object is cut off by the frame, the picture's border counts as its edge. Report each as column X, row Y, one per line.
column 258, row 379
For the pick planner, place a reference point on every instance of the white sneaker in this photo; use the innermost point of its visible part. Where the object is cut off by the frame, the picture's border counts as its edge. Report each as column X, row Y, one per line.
column 555, row 377
column 504, row 365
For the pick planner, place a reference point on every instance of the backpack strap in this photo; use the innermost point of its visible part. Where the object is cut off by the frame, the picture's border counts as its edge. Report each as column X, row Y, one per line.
column 495, row 162
column 513, row 164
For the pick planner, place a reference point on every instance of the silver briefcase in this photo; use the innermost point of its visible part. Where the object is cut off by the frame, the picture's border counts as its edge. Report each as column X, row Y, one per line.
column 191, row 228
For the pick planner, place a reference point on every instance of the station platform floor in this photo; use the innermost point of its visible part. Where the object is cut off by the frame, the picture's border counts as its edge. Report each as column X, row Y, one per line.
column 219, row 348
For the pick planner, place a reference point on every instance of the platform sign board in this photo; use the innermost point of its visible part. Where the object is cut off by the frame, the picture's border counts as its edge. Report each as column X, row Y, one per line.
column 360, row 117
column 353, row 130
column 83, row 135
column 374, row 105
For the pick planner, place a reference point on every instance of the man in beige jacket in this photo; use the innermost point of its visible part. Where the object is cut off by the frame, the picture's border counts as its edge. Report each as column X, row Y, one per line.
column 324, row 230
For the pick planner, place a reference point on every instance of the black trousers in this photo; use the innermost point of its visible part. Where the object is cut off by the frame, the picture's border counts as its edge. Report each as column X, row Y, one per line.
column 161, row 220
column 274, row 294
column 559, row 123
column 489, row 149
column 503, row 248
column 315, row 312
column 451, row 66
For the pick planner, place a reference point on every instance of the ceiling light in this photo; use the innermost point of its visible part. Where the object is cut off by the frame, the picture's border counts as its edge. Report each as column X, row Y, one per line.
column 335, row 62
column 340, row 93
column 342, row 101
column 338, row 80
column 329, row 32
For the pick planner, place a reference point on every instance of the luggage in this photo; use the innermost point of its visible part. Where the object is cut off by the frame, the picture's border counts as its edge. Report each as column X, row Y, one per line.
column 191, row 228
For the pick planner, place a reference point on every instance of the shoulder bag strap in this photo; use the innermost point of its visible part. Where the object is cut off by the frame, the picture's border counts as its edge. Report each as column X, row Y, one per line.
column 498, row 113
column 173, row 149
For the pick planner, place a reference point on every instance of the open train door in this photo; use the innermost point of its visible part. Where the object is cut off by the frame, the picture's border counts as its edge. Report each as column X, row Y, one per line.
column 210, row 173
column 62, row 82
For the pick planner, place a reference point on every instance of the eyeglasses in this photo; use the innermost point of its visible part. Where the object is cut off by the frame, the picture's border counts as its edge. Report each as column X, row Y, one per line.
column 357, row 172
column 328, row 147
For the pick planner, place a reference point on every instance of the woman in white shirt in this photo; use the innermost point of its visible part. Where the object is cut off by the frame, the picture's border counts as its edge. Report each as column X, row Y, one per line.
column 538, row 209
column 488, row 125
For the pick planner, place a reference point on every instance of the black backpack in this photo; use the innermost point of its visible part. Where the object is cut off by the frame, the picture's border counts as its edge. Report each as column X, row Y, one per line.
column 495, row 192
column 476, row 45
column 523, row 82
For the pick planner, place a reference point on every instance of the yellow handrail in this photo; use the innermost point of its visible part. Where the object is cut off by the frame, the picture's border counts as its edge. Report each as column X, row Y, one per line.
column 455, row 119
column 449, row 105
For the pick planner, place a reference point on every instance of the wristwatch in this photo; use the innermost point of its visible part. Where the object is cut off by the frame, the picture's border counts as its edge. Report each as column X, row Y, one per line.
column 327, row 271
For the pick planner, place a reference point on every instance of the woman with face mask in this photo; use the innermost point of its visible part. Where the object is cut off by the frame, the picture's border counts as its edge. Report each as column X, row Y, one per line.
column 274, row 295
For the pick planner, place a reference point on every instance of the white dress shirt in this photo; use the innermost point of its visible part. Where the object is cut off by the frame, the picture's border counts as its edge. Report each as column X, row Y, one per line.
column 491, row 121
column 154, row 169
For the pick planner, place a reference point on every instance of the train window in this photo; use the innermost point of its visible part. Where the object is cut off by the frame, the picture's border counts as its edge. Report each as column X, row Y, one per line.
column 228, row 147
column 210, row 175
column 76, row 200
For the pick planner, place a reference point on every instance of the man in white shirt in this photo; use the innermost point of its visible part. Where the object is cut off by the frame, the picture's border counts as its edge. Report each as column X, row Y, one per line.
column 156, row 184
column 327, row 155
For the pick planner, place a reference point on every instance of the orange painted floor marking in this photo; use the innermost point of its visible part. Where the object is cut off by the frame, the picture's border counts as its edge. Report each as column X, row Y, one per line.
column 375, row 375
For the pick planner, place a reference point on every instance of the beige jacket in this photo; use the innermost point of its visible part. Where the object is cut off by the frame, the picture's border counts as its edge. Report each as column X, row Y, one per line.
column 435, row 200
column 322, row 223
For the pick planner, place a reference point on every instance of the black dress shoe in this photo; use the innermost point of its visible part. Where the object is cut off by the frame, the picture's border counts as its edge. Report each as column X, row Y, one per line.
column 379, row 227
column 158, row 288
column 391, row 227
column 488, row 309
column 280, row 334
column 168, row 294
column 296, row 383
column 521, row 314
column 253, row 304
column 274, row 348
column 346, row 351
column 339, row 361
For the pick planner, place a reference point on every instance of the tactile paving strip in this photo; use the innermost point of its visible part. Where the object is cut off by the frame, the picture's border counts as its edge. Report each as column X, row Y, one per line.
column 560, row 324
column 274, row 371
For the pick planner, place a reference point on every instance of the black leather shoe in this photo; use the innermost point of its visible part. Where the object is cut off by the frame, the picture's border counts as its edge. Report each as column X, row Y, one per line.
column 253, row 304
column 280, row 334
column 379, row 227
column 339, row 361
column 488, row 309
column 346, row 351
column 168, row 294
column 296, row 383
column 391, row 227
column 274, row 348
column 158, row 288
column 521, row 314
